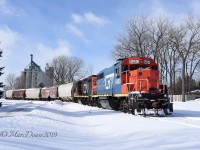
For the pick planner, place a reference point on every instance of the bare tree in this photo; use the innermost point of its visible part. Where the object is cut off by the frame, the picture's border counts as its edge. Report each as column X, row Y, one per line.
column 169, row 44
column 20, row 82
column 66, row 69
column 123, row 48
column 159, row 32
column 159, row 35
column 193, row 61
column 146, row 37
column 172, row 62
column 198, row 70
column 186, row 36
column 89, row 70
column 75, row 66
column 135, row 41
column 10, row 81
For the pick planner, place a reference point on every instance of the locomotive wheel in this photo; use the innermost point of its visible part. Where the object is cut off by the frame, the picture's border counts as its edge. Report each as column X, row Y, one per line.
column 125, row 108
column 98, row 103
column 83, row 101
column 114, row 104
column 165, row 110
column 92, row 103
column 133, row 111
column 75, row 100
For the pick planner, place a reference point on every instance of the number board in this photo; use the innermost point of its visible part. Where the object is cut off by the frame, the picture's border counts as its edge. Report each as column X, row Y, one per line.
column 134, row 61
column 147, row 62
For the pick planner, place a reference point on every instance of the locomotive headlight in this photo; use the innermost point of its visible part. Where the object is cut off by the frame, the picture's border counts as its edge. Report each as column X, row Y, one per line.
column 165, row 95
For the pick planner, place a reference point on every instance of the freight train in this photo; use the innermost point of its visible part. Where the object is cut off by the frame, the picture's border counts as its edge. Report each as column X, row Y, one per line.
column 130, row 85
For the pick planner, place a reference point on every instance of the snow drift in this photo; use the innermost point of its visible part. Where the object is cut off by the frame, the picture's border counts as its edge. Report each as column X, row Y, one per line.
column 63, row 125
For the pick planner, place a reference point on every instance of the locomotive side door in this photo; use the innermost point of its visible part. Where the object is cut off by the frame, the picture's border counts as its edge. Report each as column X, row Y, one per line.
column 109, row 83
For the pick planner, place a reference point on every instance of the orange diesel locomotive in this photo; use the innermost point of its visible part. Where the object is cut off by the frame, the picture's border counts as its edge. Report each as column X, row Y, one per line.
column 140, row 79
column 132, row 85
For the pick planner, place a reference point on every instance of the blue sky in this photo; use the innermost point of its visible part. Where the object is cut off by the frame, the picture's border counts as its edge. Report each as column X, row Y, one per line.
column 84, row 28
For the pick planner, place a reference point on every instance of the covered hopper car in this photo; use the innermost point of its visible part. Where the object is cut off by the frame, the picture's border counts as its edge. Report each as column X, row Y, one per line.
column 18, row 94
column 8, row 94
column 33, row 94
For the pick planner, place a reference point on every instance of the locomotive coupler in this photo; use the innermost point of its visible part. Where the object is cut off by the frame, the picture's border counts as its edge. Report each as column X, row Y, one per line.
column 155, row 105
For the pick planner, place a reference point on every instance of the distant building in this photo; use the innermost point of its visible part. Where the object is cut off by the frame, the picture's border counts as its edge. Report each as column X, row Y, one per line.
column 49, row 71
column 35, row 77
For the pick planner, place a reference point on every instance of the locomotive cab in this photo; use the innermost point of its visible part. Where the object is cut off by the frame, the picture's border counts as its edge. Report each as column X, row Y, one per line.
column 140, row 79
column 140, row 75
column 85, row 89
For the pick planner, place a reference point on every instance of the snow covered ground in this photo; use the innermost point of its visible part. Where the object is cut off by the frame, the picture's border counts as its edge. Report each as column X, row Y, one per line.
column 55, row 125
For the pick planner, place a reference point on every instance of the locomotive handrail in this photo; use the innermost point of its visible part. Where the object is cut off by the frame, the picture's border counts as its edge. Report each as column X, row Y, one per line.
column 164, row 87
column 126, row 74
column 128, row 88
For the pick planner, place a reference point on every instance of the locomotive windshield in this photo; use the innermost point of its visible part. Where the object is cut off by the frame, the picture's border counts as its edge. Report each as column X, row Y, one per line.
column 134, row 67
column 154, row 67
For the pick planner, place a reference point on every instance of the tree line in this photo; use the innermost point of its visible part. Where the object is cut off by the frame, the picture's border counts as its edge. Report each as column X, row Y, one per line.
column 175, row 46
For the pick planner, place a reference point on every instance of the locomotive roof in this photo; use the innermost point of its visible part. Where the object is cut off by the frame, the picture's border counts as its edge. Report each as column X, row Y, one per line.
column 121, row 59
column 140, row 60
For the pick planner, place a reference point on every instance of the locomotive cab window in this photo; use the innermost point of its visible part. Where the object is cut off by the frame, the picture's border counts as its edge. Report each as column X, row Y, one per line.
column 144, row 66
column 134, row 67
column 124, row 68
column 117, row 73
column 154, row 67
